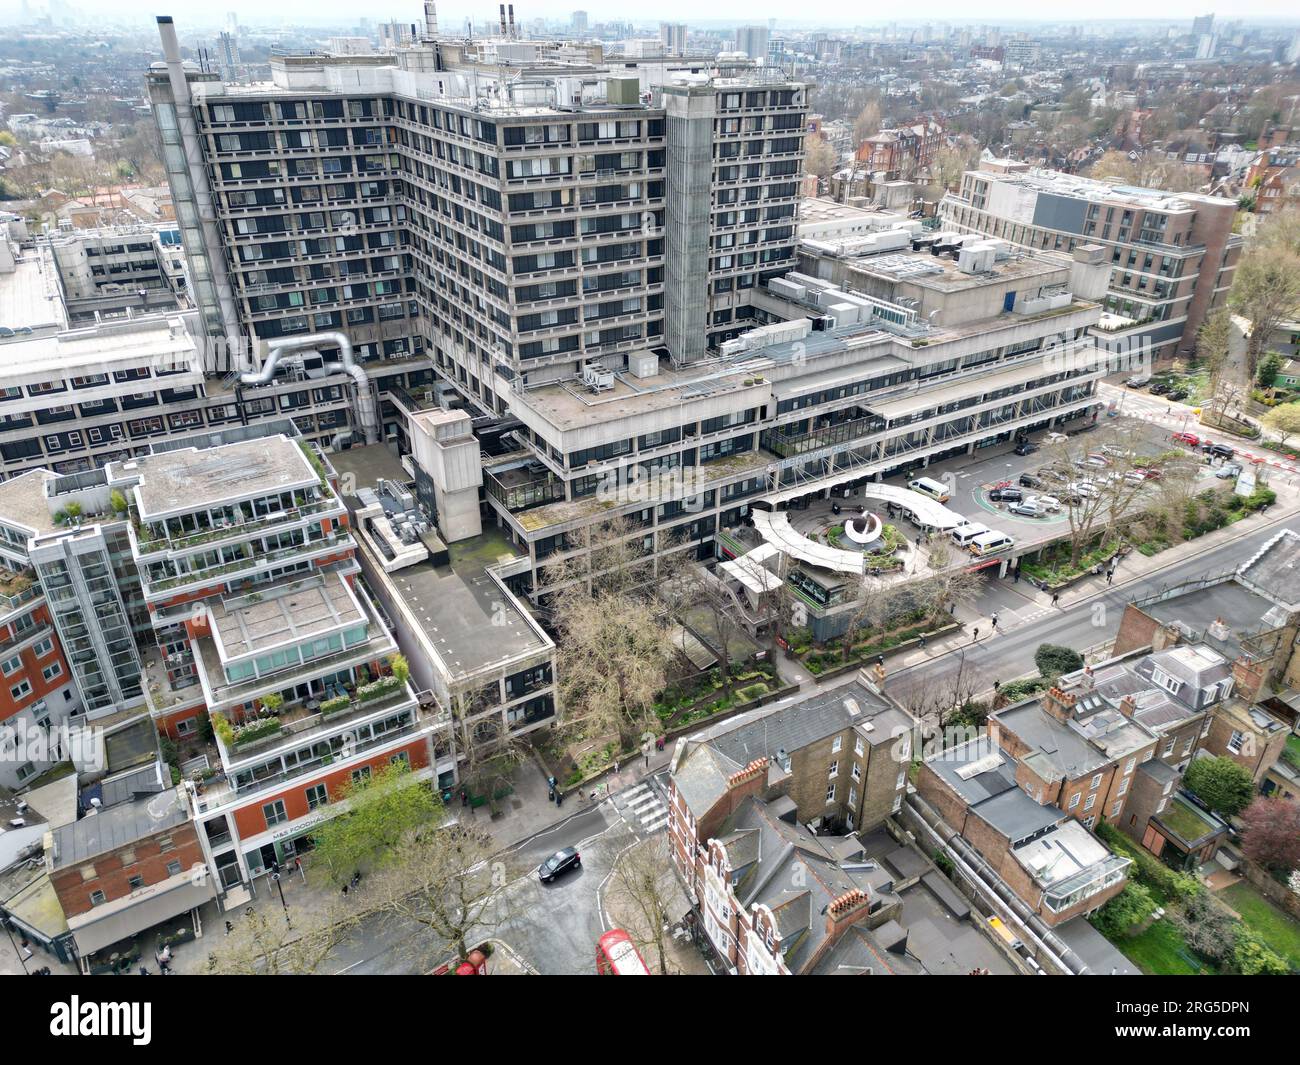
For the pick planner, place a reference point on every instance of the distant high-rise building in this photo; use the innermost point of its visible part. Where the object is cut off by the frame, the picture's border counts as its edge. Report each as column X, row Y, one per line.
column 1202, row 25
column 752, row 40
column 1206, row 45
column 228, row 56
column 673, row 37
column 578, row 22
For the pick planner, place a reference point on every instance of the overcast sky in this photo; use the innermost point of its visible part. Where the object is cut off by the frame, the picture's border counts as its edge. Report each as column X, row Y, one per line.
column 808, row 12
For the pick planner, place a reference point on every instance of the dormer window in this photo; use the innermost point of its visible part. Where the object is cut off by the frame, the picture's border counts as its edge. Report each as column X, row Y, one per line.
column 1166, row 681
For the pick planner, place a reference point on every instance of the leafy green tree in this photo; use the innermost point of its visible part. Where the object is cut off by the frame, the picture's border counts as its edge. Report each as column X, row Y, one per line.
column 1130, row 907
column 1269, row 366
column 1284, row 420
column 384, row 812
column 1052, row 659
column 1221, row 783
column 1253, row 957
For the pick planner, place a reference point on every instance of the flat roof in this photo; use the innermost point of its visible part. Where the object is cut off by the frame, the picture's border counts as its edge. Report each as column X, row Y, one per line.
column 285, row 614
column 157, row 342
column 29, row 297
column 22, row 501
column 459, row 609
column 173, row 482
column 1067, row 849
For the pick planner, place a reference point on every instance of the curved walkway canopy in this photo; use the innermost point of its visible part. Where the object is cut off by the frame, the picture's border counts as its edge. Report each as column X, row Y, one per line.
column 775, row 528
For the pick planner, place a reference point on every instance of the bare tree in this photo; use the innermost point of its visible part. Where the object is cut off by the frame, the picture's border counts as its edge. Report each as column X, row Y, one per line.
column 644, row 887
column 447, row 883
column 263, row 943
column 879, row 606
column 936, row 697
column 950, row 587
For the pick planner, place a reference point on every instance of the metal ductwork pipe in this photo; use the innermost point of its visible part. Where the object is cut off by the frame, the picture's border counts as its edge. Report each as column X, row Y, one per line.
column 367, row 410
column 198, row 180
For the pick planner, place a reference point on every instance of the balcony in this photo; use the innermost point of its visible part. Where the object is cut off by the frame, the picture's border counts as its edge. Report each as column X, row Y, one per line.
column 147, row 542
column 229, row 571
column 521, row 487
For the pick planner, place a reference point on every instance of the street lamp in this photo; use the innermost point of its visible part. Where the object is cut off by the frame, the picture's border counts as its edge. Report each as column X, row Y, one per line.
column 275, row 879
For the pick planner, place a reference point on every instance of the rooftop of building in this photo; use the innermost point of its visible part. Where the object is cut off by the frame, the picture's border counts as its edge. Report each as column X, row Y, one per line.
column 29, row 298
column 1064, row 851
column 152, row 809
column 460, row 609
column 1221, row 614
column 1077, row 186
column 288, row 612
column 23, row 502
column 159, row 342
column 186, row 479
column 1274, row 570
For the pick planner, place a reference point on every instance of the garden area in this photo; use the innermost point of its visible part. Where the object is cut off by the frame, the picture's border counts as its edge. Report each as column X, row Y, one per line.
column 1208, row 511
column 1052, row 566
column 1238, row 933
column 912, row 626
column 885, row 558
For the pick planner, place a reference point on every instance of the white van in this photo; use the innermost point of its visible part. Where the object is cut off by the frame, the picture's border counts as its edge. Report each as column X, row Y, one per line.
column 964, row 534
column 990, row 543
column 930, row 487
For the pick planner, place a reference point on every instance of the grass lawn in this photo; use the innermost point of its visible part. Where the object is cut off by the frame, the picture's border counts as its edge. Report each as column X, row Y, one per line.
column 1278, row 929
column 1160, row 951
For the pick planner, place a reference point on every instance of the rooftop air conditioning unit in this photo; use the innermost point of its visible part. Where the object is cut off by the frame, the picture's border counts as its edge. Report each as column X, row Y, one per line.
column 597, row 378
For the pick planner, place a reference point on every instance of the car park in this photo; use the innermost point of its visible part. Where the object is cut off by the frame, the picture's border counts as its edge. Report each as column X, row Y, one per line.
column 559, row 862
column 1006, row 495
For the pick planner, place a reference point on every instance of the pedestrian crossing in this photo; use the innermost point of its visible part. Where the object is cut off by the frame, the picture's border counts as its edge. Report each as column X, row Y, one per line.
column 643, row 808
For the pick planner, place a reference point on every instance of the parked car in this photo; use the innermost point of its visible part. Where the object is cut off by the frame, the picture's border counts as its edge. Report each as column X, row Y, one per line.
column 1161, row 387
column 1111, row 451
column 557, row 863
column 1048, row 503
column 1232, row 469
column 1178, row 395
column 1006, row 495
column 1097, row 459
column 1027, row 509
column 1150, row 473
column 1222, row 451
column 1135, row 476
column 1026, row 447
column 1055, row 438
column 1086, row 489
column 1028, row 480
column 1053, row 473
column 1138, row 380
column 1190, row 439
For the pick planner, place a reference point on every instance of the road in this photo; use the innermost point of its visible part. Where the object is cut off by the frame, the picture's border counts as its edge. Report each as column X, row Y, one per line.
column 551, row 927
column 1025, row 623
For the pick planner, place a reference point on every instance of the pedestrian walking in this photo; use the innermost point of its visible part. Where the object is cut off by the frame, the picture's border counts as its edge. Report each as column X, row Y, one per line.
column 994, row 619
column 975, row 633
column 1110, row 576
column 229, row 928
column 593, row 795
column 1056, row 598
column 647, row 759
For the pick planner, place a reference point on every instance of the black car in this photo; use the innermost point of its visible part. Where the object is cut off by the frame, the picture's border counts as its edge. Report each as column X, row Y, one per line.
column 1028, row 480
column 1026, row 448
column 557, row 863
column 1006, row 495
column 1222, row 451
column 1161, row 387
column 1178, row 395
